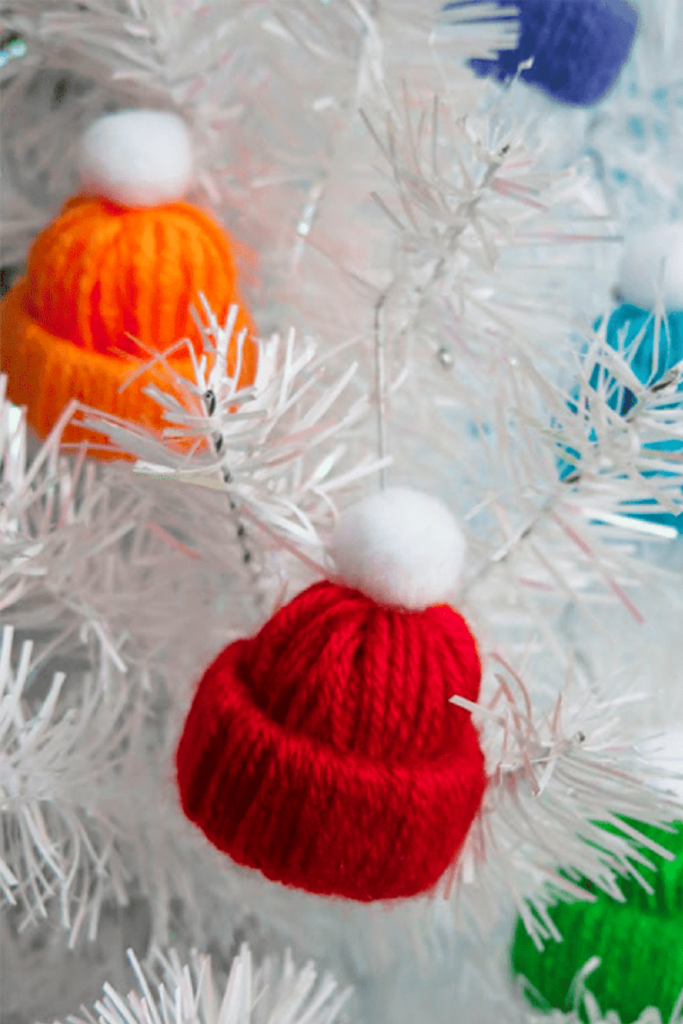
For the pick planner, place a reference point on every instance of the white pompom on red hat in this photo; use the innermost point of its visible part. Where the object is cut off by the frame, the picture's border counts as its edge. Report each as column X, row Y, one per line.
column 652, row 268
column 400, row 547
column 137, row 158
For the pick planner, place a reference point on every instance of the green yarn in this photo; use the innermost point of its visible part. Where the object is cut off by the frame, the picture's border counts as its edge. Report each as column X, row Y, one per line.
column 640, row 944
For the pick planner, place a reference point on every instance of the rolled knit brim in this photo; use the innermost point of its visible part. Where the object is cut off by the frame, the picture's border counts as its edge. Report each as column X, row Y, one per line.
column 45, row 372
column 313, row 817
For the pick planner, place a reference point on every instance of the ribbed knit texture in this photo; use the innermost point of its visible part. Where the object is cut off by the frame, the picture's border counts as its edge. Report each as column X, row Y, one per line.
column 325, row 753
column 98, row 277
column 640, row 943
column 578, row 47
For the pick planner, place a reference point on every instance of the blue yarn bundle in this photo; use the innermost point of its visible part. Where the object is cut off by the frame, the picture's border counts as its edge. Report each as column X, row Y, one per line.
column 578, row 46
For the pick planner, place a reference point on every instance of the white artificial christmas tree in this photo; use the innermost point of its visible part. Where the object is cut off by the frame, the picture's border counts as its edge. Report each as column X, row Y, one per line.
column 426, row 255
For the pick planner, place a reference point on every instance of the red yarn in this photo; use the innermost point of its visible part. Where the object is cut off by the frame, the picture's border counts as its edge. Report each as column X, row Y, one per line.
column 325, row 753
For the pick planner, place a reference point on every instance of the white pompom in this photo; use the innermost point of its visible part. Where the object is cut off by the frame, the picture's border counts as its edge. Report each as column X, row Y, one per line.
column 137, row 158
column 400, row 547
column 652, row 268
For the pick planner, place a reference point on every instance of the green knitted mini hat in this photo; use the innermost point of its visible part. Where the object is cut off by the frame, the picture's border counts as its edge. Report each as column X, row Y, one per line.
column 639, row 942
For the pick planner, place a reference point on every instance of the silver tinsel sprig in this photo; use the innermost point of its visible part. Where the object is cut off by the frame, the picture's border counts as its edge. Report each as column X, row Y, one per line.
column 109, row 578
column 84, row 553
column 560, row 482
column 556, row 776
column 64, row 760
column 279, row 449
column 620, row 448
column 467, row 201
column 169, row 991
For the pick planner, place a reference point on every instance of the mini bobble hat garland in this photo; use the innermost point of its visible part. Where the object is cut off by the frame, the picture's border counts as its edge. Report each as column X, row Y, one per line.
column 122, row 263
column 324, row 751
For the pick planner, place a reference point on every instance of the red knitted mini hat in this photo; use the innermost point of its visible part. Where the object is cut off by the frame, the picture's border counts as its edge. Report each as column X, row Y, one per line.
column 324, row 751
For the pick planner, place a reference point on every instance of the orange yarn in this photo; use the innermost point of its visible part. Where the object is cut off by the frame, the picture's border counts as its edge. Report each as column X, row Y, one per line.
column 99, row 279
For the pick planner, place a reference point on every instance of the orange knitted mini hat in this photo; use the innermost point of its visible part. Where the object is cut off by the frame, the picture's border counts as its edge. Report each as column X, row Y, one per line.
column 111, row 282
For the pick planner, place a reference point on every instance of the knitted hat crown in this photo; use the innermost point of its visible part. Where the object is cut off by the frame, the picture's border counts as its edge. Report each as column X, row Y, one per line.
column 107, row 281
column 325, row 752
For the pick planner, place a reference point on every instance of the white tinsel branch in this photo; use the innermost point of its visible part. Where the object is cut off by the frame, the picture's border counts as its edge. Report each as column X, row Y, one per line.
column 85, row 553
column 558, row 482
column 555, row 778
column 470, row 200
column 606, row 445
column 278, row 450
column 118, row 585
column 59, row 768
column 170, row 992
